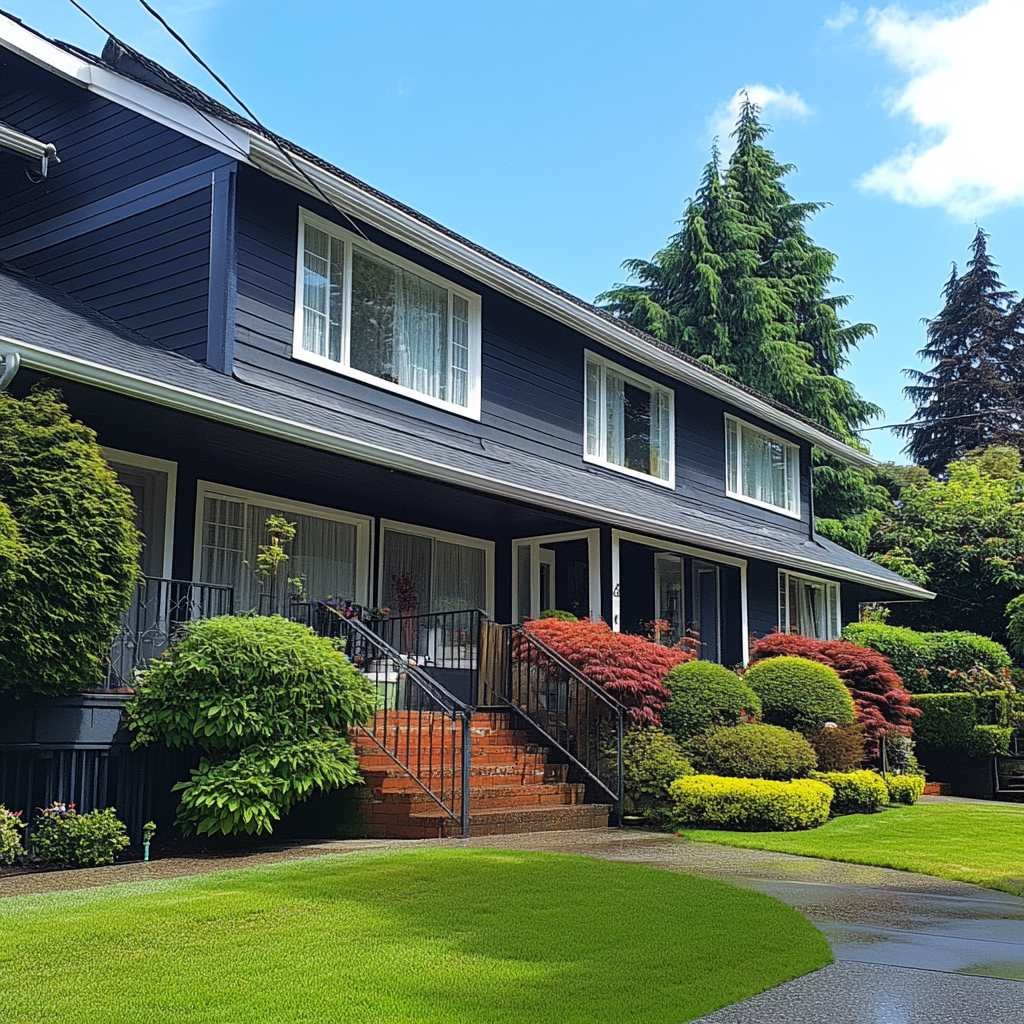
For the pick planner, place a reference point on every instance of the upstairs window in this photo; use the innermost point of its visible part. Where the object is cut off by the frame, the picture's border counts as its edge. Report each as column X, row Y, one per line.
column 761, row 468
column 365, row 312
column 809, row 606
column 629, row 422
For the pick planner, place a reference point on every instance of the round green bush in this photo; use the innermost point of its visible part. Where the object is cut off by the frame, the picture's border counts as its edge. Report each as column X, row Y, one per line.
column 651, row 761
column 904, row 789
column 754, row 751
column 750, row 804
column 10, row 836
column 269, row 702
column 705, row 695
column 69, row 550
column 860, row 792
column 800, row 694
column 63, row 837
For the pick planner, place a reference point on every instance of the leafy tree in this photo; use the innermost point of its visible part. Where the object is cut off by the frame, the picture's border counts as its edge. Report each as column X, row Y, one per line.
column 69, row 549
column 972, row 396
column 963, row 537
column 744, row 288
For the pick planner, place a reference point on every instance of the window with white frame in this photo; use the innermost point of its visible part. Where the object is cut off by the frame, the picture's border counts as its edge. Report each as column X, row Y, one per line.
column 809, row 606
column 368, row 313
column 629, row 422
column 330, row 551
column 761, row 468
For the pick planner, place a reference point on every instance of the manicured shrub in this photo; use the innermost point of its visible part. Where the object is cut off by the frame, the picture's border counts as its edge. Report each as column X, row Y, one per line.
column 11, row 825
column 269, row 703
column 750, row 804
column 754, row 751
column 630, row 668
column 989, row 740
column 904, row 789
column 61, row 836
column 949, row 721
column 555, row 613
column 860, row 792
column 800, row 694
column 651, row 761
column 1015, row 624
column 705, row 695
column 840, row 748
column 882, row 703
column 68, row 550
column 901, row 754
column 941, row 662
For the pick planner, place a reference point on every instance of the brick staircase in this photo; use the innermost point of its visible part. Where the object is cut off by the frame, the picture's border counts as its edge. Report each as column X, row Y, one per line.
column 515, row 786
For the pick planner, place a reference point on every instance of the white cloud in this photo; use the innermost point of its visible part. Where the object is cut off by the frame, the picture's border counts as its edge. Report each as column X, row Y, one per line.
column 844, row 17
column 964, row 78
column 774, row 102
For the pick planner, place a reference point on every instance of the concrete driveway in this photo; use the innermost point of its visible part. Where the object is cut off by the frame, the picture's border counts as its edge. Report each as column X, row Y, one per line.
column 909, row 949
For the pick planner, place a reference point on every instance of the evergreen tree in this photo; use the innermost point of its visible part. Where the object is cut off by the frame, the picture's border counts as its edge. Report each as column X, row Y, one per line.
column 972, row 396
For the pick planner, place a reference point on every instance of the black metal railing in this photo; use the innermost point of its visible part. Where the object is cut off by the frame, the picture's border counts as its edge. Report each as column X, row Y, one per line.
column 443, row 640
column 572, row 712
column 160, row 608
column 422, row 727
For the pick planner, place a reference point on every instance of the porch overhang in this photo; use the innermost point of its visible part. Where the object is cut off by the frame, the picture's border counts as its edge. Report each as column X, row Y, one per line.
column 179, row 383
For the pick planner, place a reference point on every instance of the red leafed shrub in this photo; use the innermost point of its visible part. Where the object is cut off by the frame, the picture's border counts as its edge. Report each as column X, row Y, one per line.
column 630, row 668
column 882, row 704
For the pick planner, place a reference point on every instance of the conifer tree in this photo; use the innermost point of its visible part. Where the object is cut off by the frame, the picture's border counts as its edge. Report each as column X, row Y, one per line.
column 972, row 395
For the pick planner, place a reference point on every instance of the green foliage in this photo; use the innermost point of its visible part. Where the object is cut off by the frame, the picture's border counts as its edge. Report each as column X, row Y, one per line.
column 901, row 755
column 651, row 761
column 950, row 661
column 61, row 836
column 860, row 792
column 1015, row 624
column 963, row 536
column 750, row 804
column 800, row 694
column 755, row 751
column 68, row 549
column 11, row 850
column 951, row 721
column 270, row 704
column 840, row 748
column 904, row 789
column 555, row 613
column 704, row 695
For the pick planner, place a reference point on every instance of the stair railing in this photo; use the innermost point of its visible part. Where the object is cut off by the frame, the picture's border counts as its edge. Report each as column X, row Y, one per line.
column 422, row 727
column 572, row 713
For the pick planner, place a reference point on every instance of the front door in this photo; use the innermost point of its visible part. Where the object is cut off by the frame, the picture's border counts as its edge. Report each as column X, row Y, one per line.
column 707, row 617
column 558, row 571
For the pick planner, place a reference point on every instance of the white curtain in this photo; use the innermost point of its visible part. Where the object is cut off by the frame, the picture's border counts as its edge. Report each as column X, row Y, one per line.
column 764, row 469
column 661, row 436
column 323, row 553
column 615, row 412
column 593, row 409
column 443, row 576
column 459, row 577
column 322, row 283
column 460, row 351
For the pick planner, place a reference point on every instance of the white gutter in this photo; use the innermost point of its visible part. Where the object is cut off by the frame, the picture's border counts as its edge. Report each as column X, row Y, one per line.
column 25, row 145
column 184, row 399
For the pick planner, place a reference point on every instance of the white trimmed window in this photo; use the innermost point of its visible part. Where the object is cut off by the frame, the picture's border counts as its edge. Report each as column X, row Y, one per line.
column 809, row 606
column 363, row 311
column 630, row 422
column 761, row 468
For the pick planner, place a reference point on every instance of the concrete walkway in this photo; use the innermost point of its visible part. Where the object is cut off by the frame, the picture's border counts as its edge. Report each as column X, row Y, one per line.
column 909, row 949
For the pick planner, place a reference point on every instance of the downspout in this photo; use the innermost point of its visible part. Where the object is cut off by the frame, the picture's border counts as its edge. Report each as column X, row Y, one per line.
column 810, row 493
column 11, row 364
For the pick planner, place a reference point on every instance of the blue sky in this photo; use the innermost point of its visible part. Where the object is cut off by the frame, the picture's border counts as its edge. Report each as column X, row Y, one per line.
column 566, row 136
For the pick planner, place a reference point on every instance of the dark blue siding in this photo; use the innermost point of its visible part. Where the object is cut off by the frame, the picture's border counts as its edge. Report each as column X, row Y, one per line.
column 532, row 366
column 123, row 222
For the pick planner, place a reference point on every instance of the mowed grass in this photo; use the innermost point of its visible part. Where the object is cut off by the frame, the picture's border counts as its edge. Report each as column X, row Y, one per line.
column 980, row 843
column 427, row 936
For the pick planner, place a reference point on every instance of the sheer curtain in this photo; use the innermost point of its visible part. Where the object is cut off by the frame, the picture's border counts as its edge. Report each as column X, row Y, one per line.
column 459, row 577
column 406, row 584
column 322, row 283
column 441, row 575
column 593, row 413
column 615, row 400
column 764, row 469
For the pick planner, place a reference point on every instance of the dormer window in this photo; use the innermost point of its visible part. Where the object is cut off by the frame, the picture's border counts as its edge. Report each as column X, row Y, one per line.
column 363, row 311
column 761, row 468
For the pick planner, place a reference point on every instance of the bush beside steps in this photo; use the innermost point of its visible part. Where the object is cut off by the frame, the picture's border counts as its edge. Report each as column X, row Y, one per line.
column 859, row 792
column 714, row 801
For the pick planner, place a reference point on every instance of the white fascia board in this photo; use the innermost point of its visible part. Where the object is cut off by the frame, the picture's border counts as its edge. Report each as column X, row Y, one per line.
column 265, row 155
column 215, row 133
column 175, row 397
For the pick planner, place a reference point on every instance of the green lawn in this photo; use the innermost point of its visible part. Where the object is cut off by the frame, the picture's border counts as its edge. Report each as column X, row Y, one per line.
column 980, row 843
column 431, row 936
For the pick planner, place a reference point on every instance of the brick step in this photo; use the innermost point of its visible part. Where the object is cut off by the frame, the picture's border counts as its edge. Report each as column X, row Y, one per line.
column 400, row 782
column 367, row 746
column 377, row 761
column 487, row 797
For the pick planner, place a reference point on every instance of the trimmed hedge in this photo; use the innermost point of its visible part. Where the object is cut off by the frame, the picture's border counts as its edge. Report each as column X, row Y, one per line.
column 990, row 740
column 939, row 662
column 11, row 825
column 651, row 761
column 860, row 792
column 950, row 721
column 800, row 694
column 755, row 752
column 750, row 804
column 705, row 695
column 904, row 789
column 63, row 837
column 840, row 748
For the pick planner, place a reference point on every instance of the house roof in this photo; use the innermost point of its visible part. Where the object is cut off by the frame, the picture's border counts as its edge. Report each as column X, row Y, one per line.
column 225, row 129
column 56, row 334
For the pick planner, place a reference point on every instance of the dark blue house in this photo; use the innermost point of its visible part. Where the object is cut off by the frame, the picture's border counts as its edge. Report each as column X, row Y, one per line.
column 252, row 330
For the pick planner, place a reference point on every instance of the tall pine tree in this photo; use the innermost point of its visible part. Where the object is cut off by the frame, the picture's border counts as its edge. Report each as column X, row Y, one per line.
column 972, row 396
